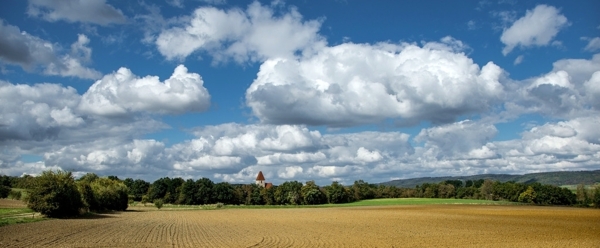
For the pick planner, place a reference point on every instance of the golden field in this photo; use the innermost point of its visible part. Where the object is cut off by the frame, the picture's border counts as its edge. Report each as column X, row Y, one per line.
column 380, row 226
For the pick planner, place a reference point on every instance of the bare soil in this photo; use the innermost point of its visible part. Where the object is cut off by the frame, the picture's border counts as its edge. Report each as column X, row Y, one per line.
column 394, row 226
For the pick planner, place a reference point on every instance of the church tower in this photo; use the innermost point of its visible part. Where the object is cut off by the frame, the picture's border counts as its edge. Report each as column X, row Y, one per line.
column 260, row 179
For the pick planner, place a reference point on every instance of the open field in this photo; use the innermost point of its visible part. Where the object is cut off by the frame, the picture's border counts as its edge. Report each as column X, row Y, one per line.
column 362, row 203
column 380, row 226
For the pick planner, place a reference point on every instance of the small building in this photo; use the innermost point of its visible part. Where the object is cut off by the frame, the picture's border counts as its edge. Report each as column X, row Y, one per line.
column 260, row 181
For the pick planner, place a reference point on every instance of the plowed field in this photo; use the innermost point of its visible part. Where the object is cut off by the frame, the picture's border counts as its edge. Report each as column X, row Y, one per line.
column 396, row 226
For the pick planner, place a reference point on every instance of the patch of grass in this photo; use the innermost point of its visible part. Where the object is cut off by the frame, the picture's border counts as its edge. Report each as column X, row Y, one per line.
column 364, row 203
column 10, row 216
column 13, row 211
column 421, row 201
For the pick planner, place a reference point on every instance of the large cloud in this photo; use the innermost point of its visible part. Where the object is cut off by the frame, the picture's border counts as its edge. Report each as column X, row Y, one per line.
column 537, row 28
column 36, row 112
column 353, row 84
column 235, row 153
column 254, row 34
column 89, row 11
column 568, row 91
column 122, row 92
column 28, row 51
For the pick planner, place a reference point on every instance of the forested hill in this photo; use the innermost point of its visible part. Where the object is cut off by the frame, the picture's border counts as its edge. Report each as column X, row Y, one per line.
column 557, row 178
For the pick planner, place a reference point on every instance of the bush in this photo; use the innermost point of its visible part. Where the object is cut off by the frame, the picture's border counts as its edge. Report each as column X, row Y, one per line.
column 55, row 194
column 4, row 191
column 158, row 203
column 109, row 194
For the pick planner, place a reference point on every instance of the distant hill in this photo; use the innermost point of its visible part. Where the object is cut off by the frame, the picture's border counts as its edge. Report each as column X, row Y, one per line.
column 557, row 178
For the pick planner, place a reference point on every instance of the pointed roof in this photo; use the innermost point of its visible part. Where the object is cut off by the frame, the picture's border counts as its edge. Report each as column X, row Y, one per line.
column 260, row 176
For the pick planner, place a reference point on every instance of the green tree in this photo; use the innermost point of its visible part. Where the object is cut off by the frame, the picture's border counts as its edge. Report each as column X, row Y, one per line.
column 289, row 193
column 55, row 194
column 188, row 193
column 582, row 194
column 596, row 196
column 336, row 193
column 204, row 193
column 224, row 193
column 487, row 190
column 4, row 191
column 110, row 194
column 362, row 190
column 446, row 190
column 528, row 196
column 312, row 194
column 268, row 195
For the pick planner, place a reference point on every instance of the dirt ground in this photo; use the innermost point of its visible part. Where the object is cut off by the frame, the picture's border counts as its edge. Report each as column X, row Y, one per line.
column 396, row 226
column 9, row 203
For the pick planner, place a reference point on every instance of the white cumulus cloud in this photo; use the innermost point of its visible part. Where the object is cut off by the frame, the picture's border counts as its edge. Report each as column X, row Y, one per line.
column 353, row 84
column 123, row 92
column 538, row 27
column 254, row 34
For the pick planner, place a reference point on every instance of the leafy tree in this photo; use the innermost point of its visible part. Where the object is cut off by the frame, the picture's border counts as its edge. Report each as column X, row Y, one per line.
column 115, row 178
column 486, row 190
column 110, row 194
column 6, row 181
column 138, row 188
column 362, row 190
column 4, row 191
column 446, row 190
column 465, row 192
column 268, row 195
column 312, row 195
column 469, row 183
column 289, row 193
column 204, row 193
column 55, row 194
column 87, row 195
column 336, row 193
column 528, row 196
column 553, row 195
column 596, row 196
column 456, row 183
column 162, row 186
column 88, row 177
column 582, row 195
column 224, row 193
column 252, row 194
column 188, row 192
column 478, row 183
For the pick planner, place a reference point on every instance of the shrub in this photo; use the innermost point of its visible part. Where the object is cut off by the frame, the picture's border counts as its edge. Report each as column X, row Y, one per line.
column 4, row 191
column 109, row 194
column 158, row 203
column 55, row 194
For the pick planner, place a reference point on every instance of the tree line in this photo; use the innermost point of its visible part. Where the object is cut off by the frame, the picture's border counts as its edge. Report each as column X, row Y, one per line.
column 93, row 193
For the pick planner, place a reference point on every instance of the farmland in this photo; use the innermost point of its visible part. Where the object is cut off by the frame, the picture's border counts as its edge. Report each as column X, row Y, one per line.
column 362, row 226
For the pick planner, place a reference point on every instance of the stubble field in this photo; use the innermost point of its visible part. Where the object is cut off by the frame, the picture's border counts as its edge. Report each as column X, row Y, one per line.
column 387, row 226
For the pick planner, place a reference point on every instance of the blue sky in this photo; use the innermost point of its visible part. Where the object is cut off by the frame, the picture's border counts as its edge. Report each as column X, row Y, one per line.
column 301, row 90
